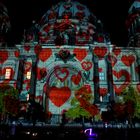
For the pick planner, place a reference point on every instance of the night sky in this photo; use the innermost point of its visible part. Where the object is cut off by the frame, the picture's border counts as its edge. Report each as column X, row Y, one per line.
column 112, row 13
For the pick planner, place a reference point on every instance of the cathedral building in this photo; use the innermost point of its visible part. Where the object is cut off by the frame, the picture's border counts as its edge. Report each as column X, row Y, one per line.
column 68, row 49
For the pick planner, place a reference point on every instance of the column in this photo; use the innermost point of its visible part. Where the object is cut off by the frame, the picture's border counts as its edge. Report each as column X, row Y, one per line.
column 33, row 76
column 20, row 74
column 96, row 80
column 110, row 80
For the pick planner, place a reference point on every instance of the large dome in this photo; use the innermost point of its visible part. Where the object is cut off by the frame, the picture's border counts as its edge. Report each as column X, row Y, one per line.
column 68, row 9
column 68, row 22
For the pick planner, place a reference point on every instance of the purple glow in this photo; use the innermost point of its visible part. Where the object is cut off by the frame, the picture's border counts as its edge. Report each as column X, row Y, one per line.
column 89, row 132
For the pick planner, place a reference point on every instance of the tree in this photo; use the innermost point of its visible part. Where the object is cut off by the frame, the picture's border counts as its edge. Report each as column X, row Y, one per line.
column 137, row 103
column 131, row 102
column 81, row 105
column 9, row 102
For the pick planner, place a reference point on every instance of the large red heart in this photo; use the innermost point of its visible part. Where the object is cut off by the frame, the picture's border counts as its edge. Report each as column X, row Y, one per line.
column 59, row 96
column 86, row 65
column 121, row 73
column 61, row 73
column 76, row 78
column 80, row 53
column 100, row 51
column 45, row 54
column 27, row 48
column 128, row 60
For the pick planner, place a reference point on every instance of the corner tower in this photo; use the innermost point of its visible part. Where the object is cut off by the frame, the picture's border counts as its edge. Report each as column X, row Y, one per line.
column 133, row 24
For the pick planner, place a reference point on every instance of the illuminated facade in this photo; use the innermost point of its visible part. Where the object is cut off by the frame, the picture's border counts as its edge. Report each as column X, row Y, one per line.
column 66, row 50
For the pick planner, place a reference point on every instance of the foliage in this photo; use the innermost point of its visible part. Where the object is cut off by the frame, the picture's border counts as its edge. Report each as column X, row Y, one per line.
column 9, row 102
column 132, row 98
column 78, row 110
column 137, row 105
column 129, row 94
column 1, row 103
column 128, row 104
column 98, row 117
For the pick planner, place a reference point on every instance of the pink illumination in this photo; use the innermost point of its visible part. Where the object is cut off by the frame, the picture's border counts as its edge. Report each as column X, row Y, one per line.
column 89, row 132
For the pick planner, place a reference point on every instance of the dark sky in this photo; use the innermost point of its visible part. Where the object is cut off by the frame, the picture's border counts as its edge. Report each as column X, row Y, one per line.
column 112, row 13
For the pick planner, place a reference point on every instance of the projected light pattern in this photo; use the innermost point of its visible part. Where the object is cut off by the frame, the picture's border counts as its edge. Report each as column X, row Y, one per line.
column 89, row 132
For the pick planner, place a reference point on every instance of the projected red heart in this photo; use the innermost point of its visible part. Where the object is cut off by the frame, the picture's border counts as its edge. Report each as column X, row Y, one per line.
column 45, row 54
column 103, row 91
column 100, row 51
column 27, row 48
column 3, row 56
column 61, row 73
column 128, row 60
column 122, row 73
column 100, row 69
column 76, row 78
column 16, row 53
column 41, row 72
column 80, row 53
column 86, row 65
column 59, row 96
column 116, row 51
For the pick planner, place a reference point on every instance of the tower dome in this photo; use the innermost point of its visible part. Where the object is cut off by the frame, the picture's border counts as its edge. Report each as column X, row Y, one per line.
column 68, row 19
column 133, row 24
